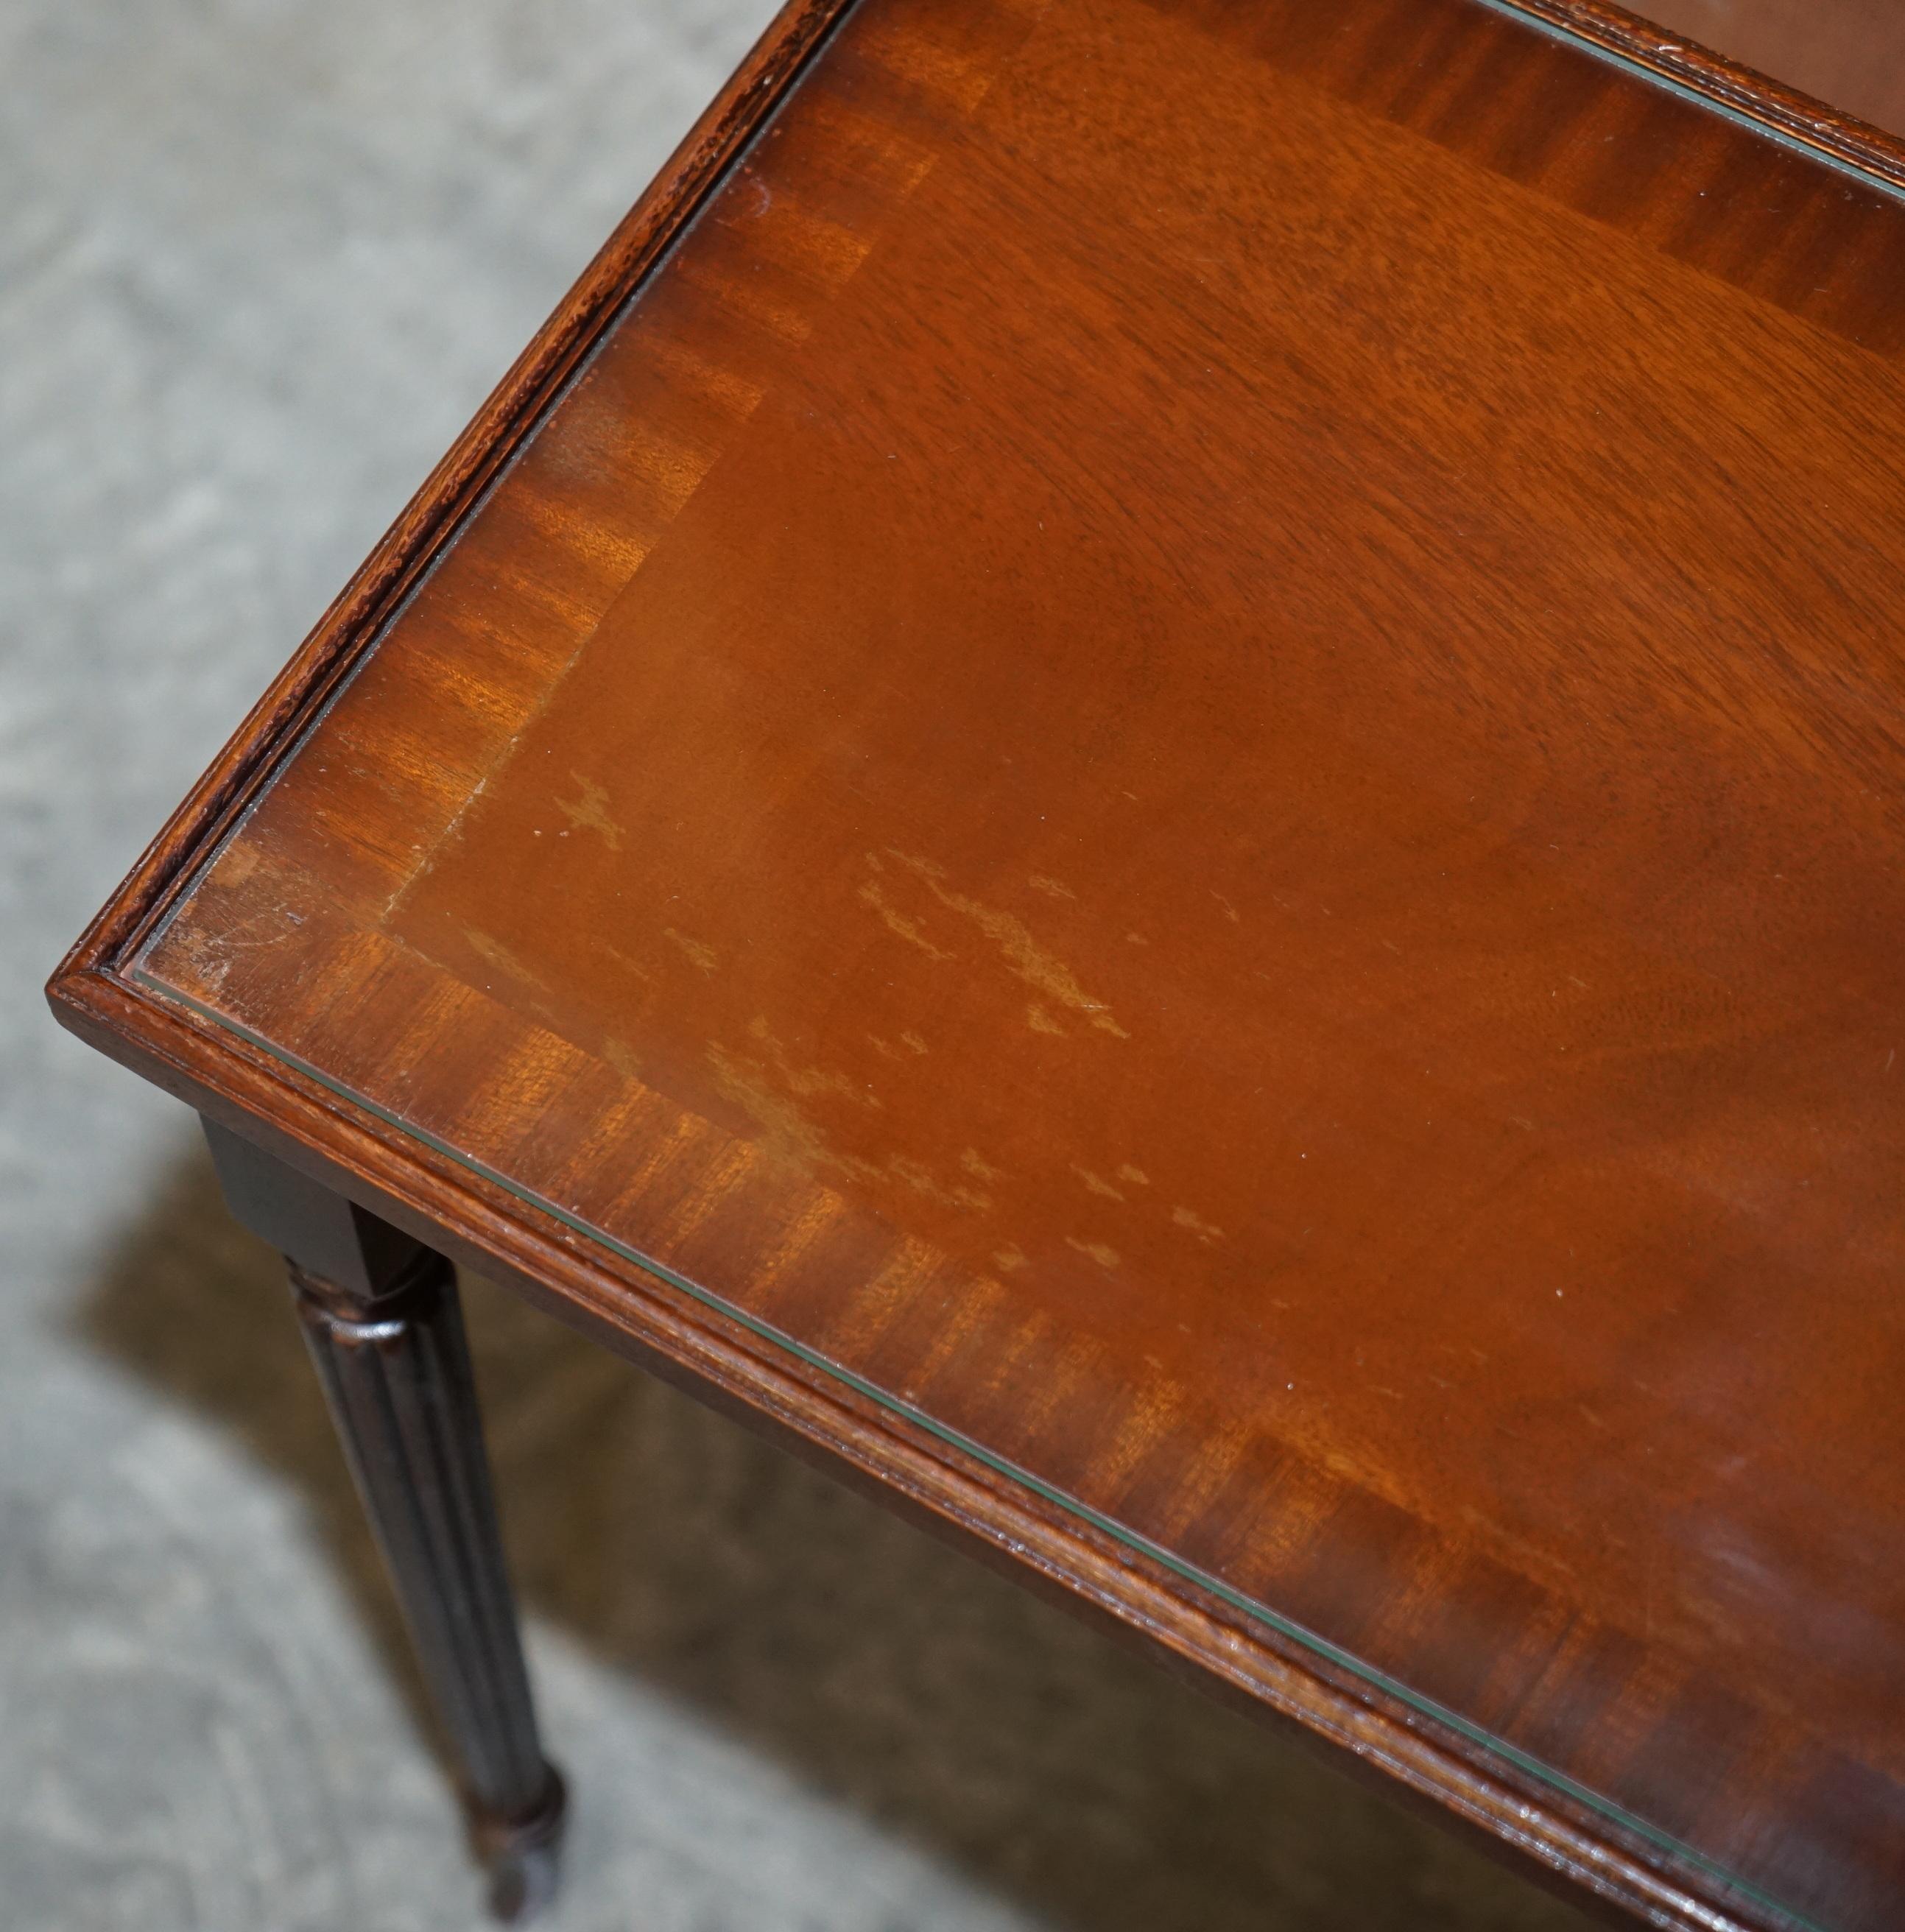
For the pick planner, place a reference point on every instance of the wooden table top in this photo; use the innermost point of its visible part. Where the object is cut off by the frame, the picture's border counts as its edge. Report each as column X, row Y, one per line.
column 1151, row 772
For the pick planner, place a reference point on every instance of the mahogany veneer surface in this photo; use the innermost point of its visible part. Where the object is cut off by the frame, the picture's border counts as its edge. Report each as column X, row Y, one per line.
column 1187, row 747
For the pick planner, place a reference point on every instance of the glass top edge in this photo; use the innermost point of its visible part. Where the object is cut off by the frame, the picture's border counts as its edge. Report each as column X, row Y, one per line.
column 1698, row 96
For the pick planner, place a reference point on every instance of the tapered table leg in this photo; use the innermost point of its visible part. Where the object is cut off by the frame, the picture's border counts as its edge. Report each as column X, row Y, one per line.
column 381, row 1316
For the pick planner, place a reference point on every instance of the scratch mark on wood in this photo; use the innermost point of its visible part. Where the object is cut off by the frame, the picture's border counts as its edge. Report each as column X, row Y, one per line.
column 627, row 964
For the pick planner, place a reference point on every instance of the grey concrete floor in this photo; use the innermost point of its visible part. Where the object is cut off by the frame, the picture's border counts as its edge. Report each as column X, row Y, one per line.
column 258, row 262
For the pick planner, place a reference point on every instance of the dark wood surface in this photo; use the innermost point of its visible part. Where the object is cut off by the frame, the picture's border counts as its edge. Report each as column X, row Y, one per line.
column 1177, row 772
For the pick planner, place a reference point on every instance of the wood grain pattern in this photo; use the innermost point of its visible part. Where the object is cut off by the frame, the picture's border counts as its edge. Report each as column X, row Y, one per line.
column 1181, row 752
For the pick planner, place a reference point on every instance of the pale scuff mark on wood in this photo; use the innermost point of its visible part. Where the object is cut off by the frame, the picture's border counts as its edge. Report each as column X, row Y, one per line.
column 1017, row 944
column 899, row 925
column 235, row 865
column 703, row 957
column 916, row 1175
column 1096, row 1184
column 493, row 952
column 589, row 813
column 784, row 1129
column 214, row 953
column 1105, row 1257
column 769, row 1091
column 620, row 1056
column 622, row 960
column 1189, row 1218
column 807, row 1081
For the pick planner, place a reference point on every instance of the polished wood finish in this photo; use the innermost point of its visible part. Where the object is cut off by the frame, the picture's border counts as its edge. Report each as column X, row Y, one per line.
column 1163, row 802
column 382, row 1318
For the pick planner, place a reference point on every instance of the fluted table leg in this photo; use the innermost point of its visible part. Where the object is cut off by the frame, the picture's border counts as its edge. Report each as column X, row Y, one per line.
column 381, row 1316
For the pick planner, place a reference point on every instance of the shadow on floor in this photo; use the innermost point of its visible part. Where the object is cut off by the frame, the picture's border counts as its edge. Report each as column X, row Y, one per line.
column 889, row 1672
